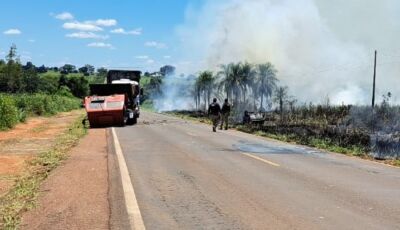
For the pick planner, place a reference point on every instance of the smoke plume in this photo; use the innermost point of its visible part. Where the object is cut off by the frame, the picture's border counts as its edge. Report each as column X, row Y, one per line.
column 320, row 48
column 176, row 93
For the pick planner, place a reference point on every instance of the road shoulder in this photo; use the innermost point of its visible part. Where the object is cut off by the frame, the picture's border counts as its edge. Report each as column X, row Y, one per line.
column 75, row 195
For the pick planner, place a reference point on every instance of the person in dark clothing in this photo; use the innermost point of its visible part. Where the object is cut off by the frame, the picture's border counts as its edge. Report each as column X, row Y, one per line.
column 225, row 112
column 246, row 117
column 214, row 112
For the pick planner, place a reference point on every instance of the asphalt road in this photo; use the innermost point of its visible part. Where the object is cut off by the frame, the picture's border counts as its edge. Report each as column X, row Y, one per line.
column 186, row 177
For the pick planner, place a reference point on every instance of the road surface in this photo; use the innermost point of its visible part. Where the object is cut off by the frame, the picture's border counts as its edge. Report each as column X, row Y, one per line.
column 187, row 177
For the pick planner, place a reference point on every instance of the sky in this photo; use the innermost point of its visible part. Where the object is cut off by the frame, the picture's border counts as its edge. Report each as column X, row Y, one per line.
column 132, row 34
column 320, row 48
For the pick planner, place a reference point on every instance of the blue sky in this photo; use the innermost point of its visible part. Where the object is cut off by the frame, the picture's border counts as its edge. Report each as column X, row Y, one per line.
column 137, row 33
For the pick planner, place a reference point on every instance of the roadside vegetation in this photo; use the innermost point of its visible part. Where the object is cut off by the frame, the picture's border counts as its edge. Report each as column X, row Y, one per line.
column 23, row 195
column 28, row 90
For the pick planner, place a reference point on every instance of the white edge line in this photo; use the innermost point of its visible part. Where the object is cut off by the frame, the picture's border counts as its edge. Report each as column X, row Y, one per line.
column 132, row 207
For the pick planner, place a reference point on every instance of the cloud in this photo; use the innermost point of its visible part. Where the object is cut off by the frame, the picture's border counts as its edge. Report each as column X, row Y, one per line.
column 81, row 26
column 101, row 45
column 103, row 22
column 155, row 44
column 150, row 61
column 86, row 35
column 12, row 32
column 64, row 16
column 137, row 31
column 142, row 57
column 31, row 40
column 167, row 57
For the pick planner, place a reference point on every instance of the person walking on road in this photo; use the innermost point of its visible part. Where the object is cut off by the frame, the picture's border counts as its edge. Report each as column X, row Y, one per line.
column 225, row 112
column 214, row 112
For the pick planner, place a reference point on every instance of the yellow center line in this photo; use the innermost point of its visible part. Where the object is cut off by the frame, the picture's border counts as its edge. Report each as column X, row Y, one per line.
column 192, row 134
column 261, row 159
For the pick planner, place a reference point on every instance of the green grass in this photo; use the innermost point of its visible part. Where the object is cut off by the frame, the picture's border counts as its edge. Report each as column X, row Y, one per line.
column 23, row 195
column 16, row 108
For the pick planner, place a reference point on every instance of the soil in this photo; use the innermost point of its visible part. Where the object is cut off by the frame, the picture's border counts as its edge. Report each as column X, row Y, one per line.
column 75, row 196
column 26, row 140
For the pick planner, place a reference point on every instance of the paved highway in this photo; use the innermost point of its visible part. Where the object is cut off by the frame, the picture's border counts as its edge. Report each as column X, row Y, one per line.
column 187, row 177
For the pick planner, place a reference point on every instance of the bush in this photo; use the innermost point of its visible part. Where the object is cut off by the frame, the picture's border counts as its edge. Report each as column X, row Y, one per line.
column 17, row 107
column 8, row 112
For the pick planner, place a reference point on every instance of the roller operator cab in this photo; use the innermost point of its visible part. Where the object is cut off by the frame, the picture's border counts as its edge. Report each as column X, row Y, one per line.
column 117, row 102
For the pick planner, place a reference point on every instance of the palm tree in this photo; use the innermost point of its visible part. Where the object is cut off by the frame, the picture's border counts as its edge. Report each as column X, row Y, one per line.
column 226, row 79
column 205, row 85
column 281, row 97
column 267, row 81
column 235, row 78
column 231, row 80
column 246, row 77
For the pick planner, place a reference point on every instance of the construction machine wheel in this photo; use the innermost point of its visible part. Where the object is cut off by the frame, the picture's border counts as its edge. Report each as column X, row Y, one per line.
column 132, row 121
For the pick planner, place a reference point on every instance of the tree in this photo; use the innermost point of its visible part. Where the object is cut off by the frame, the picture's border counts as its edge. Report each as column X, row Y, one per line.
column 31, row 80
column 102, row 72
column 235, row 78
column 87, row 70
column 247, row 75
column 28, row 66
column 67, row 68
column 227, row 83
column 281, row 96
column 41, row 69
column 78, row 85
column 49, row 83
column 267, row 81
column 12, row 54
column 154, row 85
column 167, row 70
column 205, row 85
column 12, row 79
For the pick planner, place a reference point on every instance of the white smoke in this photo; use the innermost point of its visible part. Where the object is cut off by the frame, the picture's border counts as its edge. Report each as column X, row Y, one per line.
column 319, row 47
column 176, row 93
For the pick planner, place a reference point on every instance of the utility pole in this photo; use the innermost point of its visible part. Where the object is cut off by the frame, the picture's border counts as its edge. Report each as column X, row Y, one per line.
column 373, row 86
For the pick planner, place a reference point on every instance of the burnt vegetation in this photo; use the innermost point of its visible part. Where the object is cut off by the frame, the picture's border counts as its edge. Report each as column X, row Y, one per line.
column 275, row 112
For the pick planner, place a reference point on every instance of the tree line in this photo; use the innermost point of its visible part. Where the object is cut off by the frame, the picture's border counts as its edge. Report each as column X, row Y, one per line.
column 66, row 80
column 248, row 86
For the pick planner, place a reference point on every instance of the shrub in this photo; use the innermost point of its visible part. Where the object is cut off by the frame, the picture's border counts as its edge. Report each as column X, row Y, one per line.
column 17, row 107
column 8, row 112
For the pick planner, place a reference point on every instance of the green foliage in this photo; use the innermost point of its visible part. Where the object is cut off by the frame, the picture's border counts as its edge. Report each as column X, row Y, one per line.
column 87, row 70
column 18, row 78
column 79, row 86
column 17, row 107
column 48, row 83
column 101, row 72
column 151, row 85
column 8, row 112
